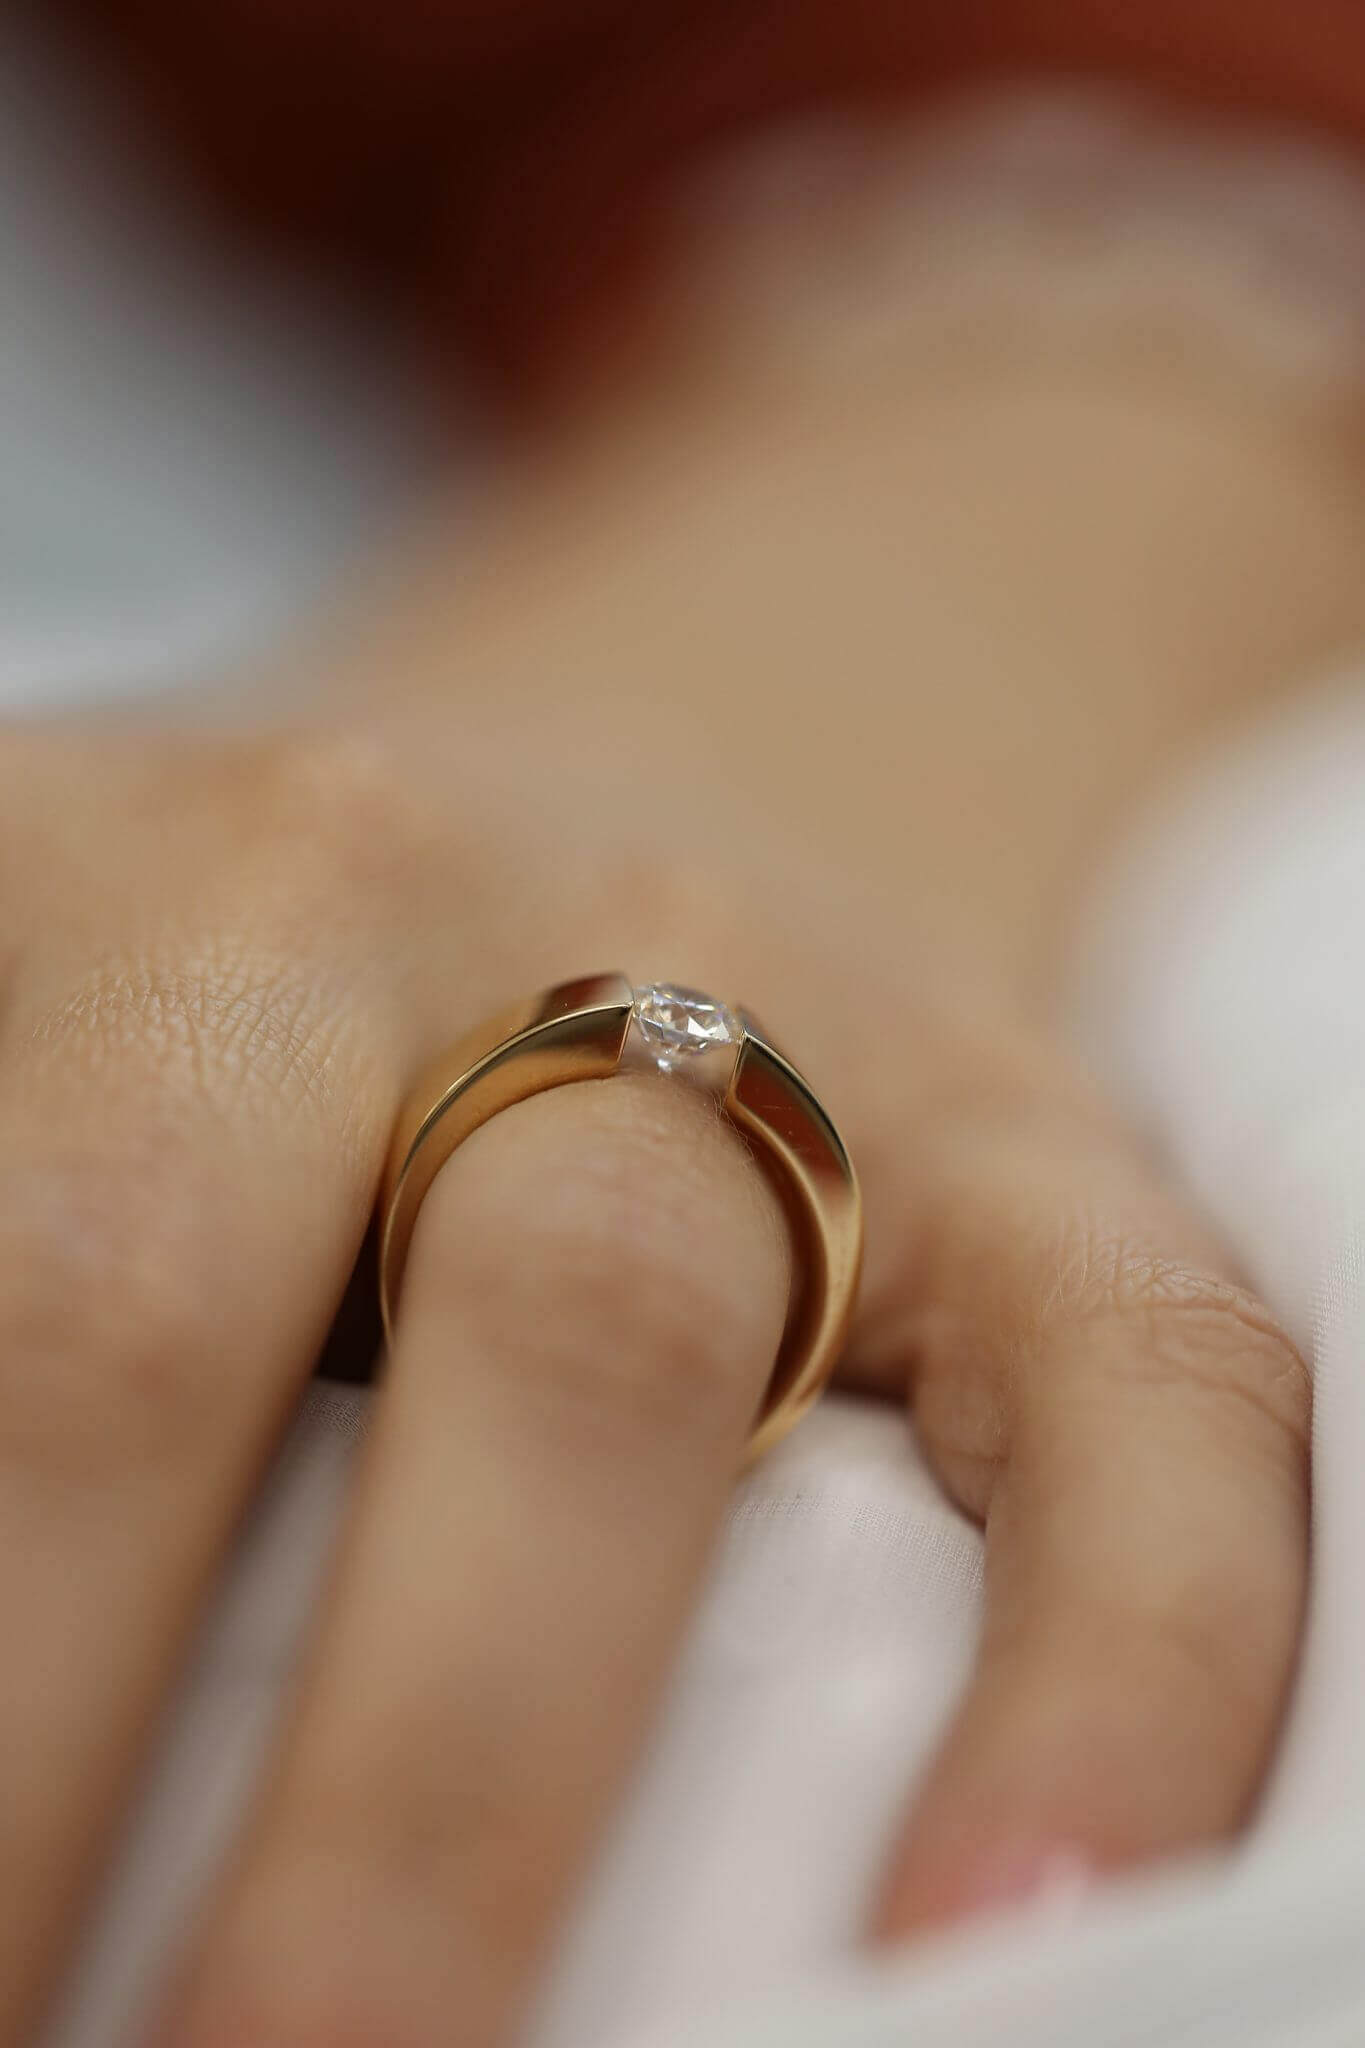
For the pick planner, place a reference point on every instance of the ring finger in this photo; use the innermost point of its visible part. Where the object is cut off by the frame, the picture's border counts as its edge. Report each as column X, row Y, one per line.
column 575, row 1374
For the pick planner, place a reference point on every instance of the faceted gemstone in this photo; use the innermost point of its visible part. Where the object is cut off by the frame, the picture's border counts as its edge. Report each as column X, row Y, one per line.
column 677, row 1022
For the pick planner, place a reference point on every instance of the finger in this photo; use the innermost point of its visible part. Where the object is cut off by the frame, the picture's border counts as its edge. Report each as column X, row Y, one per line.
column 596, row 1294
column 177, row 1209
column 1134, row 1429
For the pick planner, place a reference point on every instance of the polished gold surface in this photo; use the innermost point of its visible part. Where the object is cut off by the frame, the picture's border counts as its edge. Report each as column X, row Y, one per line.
column 577, row 1032
column 772, row 1105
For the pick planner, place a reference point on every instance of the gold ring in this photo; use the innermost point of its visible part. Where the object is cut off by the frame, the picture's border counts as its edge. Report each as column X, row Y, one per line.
column 579, row 1031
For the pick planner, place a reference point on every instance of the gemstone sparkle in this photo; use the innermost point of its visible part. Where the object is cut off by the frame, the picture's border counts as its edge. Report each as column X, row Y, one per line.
column 676, row 1022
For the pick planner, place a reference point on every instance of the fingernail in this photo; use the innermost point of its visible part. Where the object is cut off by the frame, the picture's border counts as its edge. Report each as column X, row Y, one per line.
column 1054, row 1878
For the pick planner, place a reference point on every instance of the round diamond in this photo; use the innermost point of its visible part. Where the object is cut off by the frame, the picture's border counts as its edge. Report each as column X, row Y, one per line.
column 677, row 1022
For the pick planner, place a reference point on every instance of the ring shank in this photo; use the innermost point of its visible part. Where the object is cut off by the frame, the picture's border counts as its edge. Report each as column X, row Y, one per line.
column 577, row 1032
column 771, row 1104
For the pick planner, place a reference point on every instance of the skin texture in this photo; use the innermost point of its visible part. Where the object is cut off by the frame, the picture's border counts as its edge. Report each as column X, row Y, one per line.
column 224, row 956
column 232, row 953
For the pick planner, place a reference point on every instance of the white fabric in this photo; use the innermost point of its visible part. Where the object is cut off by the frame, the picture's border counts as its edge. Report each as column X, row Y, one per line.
column 841, row 1615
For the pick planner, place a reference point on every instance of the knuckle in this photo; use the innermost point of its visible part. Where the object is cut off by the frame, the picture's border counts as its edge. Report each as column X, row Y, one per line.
column 349, row 811
column 220, row 1023
column 104, row 1329
column 1195, row 1331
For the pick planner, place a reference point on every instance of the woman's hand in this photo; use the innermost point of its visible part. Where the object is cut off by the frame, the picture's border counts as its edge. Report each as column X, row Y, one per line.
column 223, row 961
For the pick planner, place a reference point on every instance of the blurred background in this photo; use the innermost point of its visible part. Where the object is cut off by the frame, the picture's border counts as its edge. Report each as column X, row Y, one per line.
column 1006, row 358
column 1000, row 364
column 266, row 270
column 190, row 443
